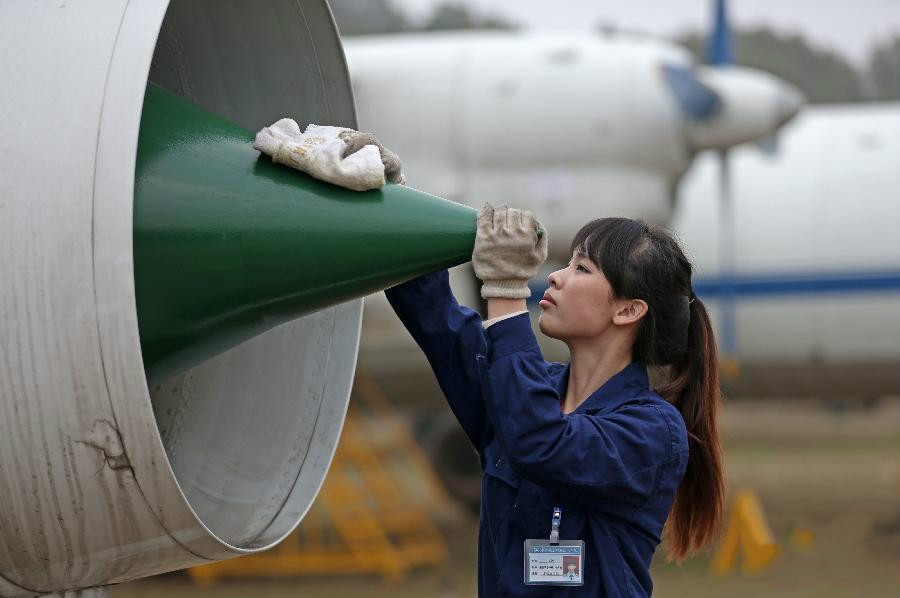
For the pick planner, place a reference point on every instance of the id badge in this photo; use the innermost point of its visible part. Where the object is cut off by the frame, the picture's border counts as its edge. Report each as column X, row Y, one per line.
column 560, row 564
column 554, row 562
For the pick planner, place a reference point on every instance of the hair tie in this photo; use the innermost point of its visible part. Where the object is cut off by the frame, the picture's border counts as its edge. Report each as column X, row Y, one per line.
column 691, row 298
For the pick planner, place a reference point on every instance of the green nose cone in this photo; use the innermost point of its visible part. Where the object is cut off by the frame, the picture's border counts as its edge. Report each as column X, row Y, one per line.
column 228, row 245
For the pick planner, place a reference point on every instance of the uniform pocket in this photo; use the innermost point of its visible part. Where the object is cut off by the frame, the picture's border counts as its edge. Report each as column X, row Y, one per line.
column 534, row 506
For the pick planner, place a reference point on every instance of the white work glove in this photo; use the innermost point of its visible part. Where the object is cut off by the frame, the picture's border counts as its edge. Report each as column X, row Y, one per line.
column 337, row 155
column 508, row 251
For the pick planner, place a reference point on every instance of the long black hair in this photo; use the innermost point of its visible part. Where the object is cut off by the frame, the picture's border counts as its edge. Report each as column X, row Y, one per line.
column 646, row 262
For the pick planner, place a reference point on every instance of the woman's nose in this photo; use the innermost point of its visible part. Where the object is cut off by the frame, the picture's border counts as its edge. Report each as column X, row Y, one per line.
column 553, row 279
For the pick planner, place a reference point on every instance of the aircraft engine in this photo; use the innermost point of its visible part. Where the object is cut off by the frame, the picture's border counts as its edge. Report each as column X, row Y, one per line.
column 160, row 407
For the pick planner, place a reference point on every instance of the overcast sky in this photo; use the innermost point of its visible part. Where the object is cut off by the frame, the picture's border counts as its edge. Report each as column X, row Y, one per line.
column 848, row 26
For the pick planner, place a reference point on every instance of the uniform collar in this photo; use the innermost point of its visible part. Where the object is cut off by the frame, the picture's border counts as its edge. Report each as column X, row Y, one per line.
column 621, row 388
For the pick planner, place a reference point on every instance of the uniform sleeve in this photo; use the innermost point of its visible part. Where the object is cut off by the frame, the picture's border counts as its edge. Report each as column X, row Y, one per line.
column 615, row 456
column 451, row 336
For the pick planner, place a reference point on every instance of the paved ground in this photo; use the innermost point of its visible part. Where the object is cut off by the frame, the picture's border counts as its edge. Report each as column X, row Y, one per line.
column 835, row 472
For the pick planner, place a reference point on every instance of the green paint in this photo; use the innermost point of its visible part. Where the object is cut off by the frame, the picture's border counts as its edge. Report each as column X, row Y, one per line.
column 228, row 245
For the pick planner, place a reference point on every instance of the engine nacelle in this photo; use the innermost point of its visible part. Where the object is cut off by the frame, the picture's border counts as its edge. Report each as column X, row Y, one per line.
column 102, row 478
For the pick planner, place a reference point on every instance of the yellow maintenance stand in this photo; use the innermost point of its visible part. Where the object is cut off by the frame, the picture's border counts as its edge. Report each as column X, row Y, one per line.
column 747, row 531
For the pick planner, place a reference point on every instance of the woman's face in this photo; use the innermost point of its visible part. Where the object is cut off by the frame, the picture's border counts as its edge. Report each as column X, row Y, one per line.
column 579, row 302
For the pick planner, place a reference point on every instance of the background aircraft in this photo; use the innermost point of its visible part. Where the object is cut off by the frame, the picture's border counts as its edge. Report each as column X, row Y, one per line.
column 560, row 125
column 571, row 127
column 578, row 127
column 812, row 306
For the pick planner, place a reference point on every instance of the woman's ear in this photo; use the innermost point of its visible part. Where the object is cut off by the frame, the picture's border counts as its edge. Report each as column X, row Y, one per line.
column 629, row 311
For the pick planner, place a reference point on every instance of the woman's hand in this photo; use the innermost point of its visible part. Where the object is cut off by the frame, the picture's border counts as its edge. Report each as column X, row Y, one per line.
column 508, row 251
column 356, row 140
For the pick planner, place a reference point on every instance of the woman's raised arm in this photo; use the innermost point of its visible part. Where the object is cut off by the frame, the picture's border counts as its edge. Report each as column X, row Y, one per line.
column 450, row 335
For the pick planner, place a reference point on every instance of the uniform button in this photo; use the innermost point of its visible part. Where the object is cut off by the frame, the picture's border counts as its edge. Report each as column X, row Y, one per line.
column 499, row 461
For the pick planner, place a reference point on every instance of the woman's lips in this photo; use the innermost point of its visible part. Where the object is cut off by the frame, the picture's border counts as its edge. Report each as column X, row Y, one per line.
column 547, row 301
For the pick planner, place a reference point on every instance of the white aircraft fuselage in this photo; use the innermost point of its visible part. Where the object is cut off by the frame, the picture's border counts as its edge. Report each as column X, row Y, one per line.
column 575, row 128
column 813, row 306
column 568, row 126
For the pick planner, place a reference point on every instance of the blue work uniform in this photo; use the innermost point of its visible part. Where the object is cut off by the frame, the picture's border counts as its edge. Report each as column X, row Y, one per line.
column 613, row 465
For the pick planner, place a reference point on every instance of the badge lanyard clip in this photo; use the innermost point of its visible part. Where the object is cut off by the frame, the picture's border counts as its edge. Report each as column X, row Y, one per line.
column 554, row 525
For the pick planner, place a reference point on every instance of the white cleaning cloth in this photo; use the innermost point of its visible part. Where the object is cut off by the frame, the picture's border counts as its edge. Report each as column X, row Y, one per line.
column 319, row 152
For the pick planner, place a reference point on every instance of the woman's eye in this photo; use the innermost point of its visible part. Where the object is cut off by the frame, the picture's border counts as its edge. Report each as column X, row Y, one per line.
column 582, row 268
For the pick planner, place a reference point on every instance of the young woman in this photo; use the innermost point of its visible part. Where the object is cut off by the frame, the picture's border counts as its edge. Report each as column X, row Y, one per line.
column 583, row 462
column 586, row 449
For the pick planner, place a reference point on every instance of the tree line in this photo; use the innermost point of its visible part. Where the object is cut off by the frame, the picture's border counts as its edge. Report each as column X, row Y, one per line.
column 823, row 75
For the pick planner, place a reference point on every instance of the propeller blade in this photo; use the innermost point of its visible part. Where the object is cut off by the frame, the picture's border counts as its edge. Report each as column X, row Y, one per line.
column 727, row 330
column 698, row 101
column 768, row 145
column 719, row 49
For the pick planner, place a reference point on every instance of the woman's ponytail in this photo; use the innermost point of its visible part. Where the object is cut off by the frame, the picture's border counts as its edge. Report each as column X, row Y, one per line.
column 646, row 262
column 693, row 388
